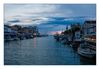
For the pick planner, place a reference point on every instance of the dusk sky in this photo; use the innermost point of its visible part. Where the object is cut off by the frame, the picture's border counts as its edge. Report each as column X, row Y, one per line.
column 66, row 10
column 38, row 14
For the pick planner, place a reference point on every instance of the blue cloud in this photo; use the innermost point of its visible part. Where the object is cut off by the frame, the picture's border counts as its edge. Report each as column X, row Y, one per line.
column 49, row 17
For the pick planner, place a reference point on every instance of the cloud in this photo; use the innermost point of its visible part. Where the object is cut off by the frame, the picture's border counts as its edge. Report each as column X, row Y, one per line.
column 40, row 13
column 35, row 10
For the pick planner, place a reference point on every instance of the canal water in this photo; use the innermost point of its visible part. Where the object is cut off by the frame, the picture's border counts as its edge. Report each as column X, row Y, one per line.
column 42, row 51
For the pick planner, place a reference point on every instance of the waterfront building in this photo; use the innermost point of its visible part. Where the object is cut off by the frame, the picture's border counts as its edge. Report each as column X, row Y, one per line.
column 88, row 48
column 9, row 34
column 89, row 34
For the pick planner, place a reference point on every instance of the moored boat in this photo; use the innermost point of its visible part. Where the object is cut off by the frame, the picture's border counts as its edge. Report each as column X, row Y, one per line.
column 86, row 52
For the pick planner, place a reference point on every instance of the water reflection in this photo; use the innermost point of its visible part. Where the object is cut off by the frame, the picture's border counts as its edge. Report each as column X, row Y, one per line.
column 41, row 51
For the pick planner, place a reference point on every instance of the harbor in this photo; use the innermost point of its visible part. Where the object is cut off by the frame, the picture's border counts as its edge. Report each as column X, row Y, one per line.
column 50, row 34
column 42, row 51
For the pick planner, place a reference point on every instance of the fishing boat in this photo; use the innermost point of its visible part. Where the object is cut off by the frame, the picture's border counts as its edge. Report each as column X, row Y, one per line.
column 86, row 52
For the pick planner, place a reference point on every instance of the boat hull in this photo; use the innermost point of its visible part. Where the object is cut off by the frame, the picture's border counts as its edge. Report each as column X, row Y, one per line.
column 86, row 54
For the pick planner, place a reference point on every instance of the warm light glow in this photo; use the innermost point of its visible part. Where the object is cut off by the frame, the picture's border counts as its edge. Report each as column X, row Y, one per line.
column 59, row 32
column 90, row 39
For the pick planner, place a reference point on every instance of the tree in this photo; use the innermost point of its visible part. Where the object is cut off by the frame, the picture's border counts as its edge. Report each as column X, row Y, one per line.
column 72, row 30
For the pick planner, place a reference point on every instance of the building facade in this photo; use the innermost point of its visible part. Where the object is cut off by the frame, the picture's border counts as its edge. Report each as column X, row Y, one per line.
column 89, row 33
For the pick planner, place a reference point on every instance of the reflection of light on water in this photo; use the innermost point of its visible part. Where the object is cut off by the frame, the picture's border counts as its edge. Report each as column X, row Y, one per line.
column 34, row 42
column 47, row 49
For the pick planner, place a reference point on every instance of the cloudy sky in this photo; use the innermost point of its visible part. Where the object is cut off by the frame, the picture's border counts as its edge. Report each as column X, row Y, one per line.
column 27, row 14
column 66, row 10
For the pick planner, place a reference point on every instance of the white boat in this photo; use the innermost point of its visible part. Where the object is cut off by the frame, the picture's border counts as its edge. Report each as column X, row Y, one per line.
column 86, row 52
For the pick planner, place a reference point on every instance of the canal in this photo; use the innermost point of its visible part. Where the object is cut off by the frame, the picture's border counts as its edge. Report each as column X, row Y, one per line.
column 42, row 51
